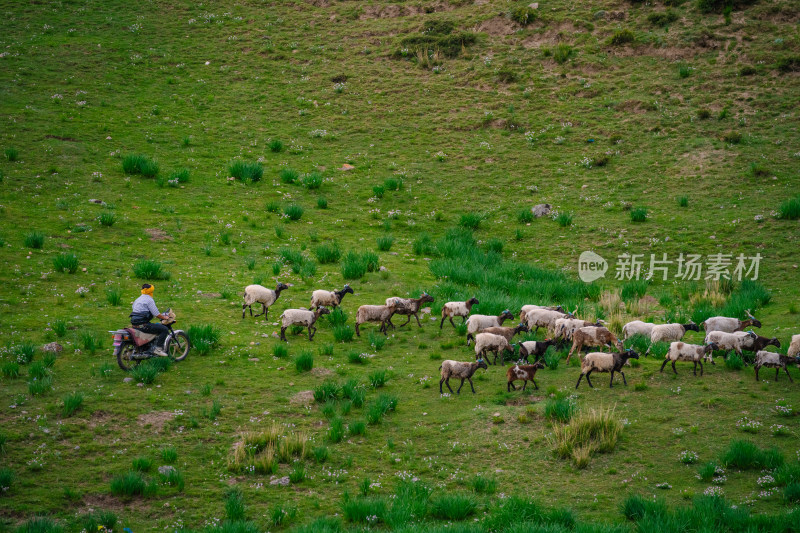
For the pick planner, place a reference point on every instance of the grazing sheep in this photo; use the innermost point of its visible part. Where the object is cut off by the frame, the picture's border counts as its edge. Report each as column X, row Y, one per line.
column 776, row 361
column 670, row 332
column 728, row 341
column 592, row 336
column 462, row 309
column 508, row 333
column 523, row 373
column 566, row 327
column 258, row 294
column 301, row 317
column 525, row 308
column 375, row 313
column 320, row 298
column 755, row 343
column 729, row 325
column 489, row 342
column 535, row 348
column 680, row 351
column 477, row 323
column 637, row 327
column 605, row 362
column 409, row 307
column 457, row 369
column 794, row 346
column 544, row 318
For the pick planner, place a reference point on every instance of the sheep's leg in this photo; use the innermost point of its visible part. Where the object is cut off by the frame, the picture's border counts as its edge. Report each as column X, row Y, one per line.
column 570, row 354
column 462, row 384
column 440, row 385
column 447, row 382
column 463, row 320
column 587, row 378
column 510, row 386
column 701, row 368
column 263, row 308
column 673, row 368
column 283, row 334
column 244, row 310
column 311, row 335
column 579, row 381
column 407, row 321
column 664, row 364
column 776, row 373
column 358, row 333
column 417, row 317
column 787, row 374
column 442, row 322
column 757, row 369
column 471, row 385
column 625, row 381
column 534, row 384
column 525, row 384
column 385, row 329
column 611, row 384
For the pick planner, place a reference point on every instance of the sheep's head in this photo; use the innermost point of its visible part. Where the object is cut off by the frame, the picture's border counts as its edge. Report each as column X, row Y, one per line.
column 347, row 289
column 752, row 334
column 775, row 342
column 324, row 311
column 620, row 346
column 569, row 315
column 482, row 364
column 506, row 315
column 631, row 354
column 711, row 346
column 281, row 287
column 691, row 326
column 473, row 301
column 425, row 298
column 558, row 308
column 756, row 323
column 538, row 365
column 520, row 328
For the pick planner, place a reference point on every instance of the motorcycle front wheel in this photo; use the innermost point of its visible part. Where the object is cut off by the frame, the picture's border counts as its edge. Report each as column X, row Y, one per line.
column 125, row 358
column 178, row 346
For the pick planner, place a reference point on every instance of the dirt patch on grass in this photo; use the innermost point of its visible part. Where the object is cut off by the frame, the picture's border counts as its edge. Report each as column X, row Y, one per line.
column 102, row 501
column 155, row 420
column 497, row 26
column 632, row 106
column 67, row 139
column 524, row 400
column 99, row 418
column 304, row 397
column 321, row 372
column 157, row 235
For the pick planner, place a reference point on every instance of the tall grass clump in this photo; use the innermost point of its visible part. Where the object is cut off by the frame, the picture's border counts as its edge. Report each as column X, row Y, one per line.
column 72, row 402
column 304, row 362
column 622, row 37
column 12, row 154
column 149, row 269
column 145, row 372
column 471, row 220
column 423, row 245
column 23, row 352
column 6, row 480
column 453, row 506
column 312, row 181
column 180, row 175
column 275, row 146
column 343, row 333
column 98, row 521
column 364, row 510
column 745, row 455
column 34, row 239
column 683, row 201
column 525, row 216
column 353, row 266
column 10, row 369
column 563, row 53
column 328, row 253
column 234, row 504
column 790, row 209
column 639, row 214
column 107, row 218
column 564, row 219
column 385, row 242
column 90, row 342
column 734, row 361
column 684, row 71
column 132, row 484
column 204, row 338
column 142, row 464
column 590, row 432
column 288, row 175
column 66, row 262
column 246, row 171
column 322, row 203
column 140, row 164
column 483, row 485
column 293, row 212
column 38, row 386
column 560, row 409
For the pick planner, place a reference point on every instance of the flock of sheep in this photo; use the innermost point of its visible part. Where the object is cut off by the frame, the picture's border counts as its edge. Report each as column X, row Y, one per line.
column 491, row 337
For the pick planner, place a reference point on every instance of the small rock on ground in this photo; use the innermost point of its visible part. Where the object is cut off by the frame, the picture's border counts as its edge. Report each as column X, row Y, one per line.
column 127, row 380
column 541, row 210
column 166, row 470
column 283, row 481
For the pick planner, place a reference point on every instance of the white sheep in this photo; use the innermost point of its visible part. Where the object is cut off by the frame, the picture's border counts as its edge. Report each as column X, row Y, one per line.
column 729, row 325
column 637, row 327
column 301, row 317
column 694, row 353
column 566, row 327
column 259, row 294
column 459, row 370
column 794, row 347
column 375, row 313
column 544, row 318
column 462, row 309
column 727, row 341
column 605, row 362
column 671, row 332
column 489, row 342
column 322, row 298
column 774, row 360
column 525, row 308
column 477, row 323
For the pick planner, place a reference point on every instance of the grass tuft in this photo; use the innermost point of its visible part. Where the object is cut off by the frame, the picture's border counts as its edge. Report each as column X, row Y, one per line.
column 72, row 402
column 304, row 362
column 246, row 171
column 66, row 262
column 34, row 239
column 150, row 269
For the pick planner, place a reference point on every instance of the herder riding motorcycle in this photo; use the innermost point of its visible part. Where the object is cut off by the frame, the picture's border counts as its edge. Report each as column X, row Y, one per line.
column 132, row 346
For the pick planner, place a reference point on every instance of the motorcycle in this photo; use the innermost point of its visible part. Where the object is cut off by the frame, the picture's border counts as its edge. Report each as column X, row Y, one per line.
column 132, row 346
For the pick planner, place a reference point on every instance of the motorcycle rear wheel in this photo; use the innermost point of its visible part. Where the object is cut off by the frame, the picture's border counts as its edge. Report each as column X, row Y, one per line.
column 125, row 358
column 178, row 346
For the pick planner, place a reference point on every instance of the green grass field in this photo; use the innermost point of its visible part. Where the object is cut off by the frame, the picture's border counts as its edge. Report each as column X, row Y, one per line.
column 398, row 147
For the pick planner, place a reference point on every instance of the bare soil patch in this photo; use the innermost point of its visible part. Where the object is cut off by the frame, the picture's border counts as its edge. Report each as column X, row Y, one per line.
column 155, row 420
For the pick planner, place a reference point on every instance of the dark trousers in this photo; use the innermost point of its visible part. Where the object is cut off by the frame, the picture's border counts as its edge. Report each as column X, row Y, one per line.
column 158, row 329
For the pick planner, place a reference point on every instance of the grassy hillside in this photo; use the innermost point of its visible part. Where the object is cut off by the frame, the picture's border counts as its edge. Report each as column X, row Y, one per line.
column 410, row 140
